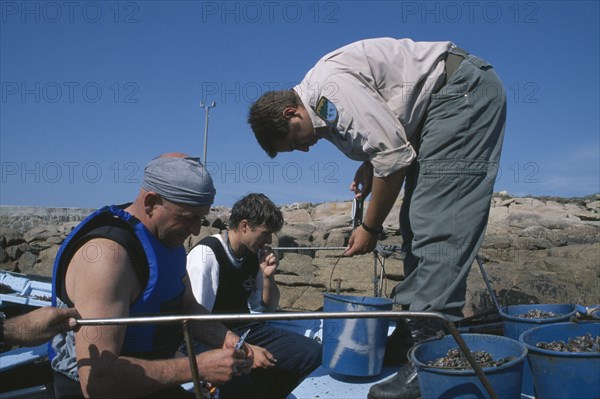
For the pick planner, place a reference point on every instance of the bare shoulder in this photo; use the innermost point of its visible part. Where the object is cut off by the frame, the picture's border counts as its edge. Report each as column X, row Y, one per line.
column 101, row 268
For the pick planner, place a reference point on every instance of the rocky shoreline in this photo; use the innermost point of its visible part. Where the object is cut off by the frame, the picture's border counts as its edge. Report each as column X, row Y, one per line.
column 536, row 250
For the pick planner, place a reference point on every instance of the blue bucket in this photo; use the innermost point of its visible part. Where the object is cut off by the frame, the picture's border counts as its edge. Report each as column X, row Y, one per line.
column 354, row 347
column 514, row 326
column 563, row 374
column 446, row 383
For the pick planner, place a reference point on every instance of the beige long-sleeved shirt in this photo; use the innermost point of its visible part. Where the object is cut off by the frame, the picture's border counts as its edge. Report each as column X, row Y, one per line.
column 380, row 89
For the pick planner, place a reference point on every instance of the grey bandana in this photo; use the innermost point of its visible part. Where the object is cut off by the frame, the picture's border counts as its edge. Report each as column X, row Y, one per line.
column 180, row 180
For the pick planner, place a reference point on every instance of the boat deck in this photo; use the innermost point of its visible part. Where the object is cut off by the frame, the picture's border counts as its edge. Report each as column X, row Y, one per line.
column 322, row 383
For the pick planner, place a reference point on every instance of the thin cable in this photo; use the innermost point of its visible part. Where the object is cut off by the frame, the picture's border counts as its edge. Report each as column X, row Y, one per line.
column 333, row 268
column 382, row 278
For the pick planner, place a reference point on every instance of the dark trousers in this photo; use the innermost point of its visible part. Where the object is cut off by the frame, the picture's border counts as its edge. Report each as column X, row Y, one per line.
column 297, row 356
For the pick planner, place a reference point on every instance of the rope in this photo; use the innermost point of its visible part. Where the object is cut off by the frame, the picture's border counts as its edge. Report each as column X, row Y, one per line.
column 387, row 250
column 332, row 269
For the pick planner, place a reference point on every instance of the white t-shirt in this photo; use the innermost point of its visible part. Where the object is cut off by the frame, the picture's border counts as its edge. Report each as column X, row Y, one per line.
column 203, row 270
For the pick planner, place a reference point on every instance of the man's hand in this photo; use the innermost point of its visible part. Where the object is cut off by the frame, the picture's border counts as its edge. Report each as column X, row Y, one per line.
column 361, row 242
column 246, row 353
column 262, row 357
column 385, row 192
column 269, row 262
column 218, row 366
column 363, row 181
column 39, row 326
column 231, row 339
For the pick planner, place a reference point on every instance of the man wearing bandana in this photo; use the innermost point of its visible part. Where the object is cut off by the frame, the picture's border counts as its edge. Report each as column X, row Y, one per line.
column 129, row 260
column 426, row 115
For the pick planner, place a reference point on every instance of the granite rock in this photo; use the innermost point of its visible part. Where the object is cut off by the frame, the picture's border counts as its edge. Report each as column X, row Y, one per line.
column 536, row 250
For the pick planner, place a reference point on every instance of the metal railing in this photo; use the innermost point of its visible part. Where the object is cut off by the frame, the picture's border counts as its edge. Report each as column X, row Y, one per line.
column 186, row 319
column 293, row 249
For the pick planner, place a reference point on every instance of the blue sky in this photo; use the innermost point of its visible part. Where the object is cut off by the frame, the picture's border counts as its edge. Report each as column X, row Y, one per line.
column 92, row 90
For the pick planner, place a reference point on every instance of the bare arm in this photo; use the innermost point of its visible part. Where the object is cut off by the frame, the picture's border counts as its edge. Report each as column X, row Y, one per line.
column 104, row 287
column 38, row 326
column 385, row 190
column 269, row 262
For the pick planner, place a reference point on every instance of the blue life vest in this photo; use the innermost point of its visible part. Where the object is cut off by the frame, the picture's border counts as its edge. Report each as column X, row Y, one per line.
column 162, row 294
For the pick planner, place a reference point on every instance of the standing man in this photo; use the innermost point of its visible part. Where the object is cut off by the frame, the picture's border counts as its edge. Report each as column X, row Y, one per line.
column 127, row 261
column 424, row 114
column 234, row 272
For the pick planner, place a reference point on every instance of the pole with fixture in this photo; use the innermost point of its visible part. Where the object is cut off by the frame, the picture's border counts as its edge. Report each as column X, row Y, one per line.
column 206, row 112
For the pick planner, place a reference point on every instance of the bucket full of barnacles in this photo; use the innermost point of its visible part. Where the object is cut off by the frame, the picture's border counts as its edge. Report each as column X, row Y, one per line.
column 445, row 373
column 565, row 359
column 520, row 318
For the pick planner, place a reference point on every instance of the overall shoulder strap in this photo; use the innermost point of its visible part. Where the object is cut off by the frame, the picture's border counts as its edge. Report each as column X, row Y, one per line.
column 123, row 235
column 215, row 244
column 114, row 229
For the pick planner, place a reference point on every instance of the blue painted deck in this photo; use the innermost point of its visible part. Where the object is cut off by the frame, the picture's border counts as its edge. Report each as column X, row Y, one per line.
column 26, row 291
column 324, row 384
column 22, row 356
